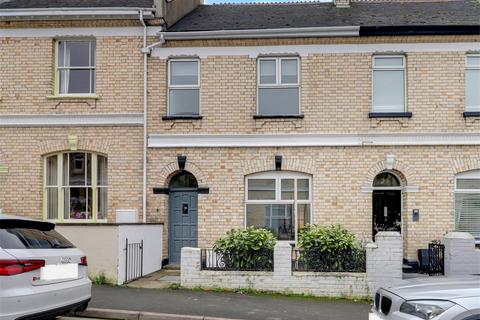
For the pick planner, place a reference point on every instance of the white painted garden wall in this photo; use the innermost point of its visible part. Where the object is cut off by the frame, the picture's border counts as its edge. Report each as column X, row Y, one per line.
column 384, row 268
column 152, row 247
column 461, row 257
column 104, row 246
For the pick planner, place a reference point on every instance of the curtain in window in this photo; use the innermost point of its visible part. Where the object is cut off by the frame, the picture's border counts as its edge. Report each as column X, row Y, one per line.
column 67, row 71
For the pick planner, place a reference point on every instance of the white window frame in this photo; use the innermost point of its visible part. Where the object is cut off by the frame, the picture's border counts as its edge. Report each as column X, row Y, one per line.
column 58, row 68
column 278, row 176
column 278, row 81
column 183, row 86
column 472, row 174
column 61, row 187
column 390, row 68
column 470, row 67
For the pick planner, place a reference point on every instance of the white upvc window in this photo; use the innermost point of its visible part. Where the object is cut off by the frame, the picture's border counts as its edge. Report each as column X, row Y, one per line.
column 472, row 83
column 467, row 203
column 279, row 201
column 278, row 83
column 184, row 87
column 75, row 187
column 75, row 67
column 389, row 84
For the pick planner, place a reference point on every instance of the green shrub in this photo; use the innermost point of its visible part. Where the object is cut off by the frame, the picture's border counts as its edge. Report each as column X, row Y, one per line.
column 331, row 248
column 247, row 249
column 101, row 279
column 327, row 239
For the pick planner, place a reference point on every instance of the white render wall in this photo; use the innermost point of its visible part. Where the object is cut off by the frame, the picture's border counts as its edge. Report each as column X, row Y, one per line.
column 380, row 258
column 104, row 246
column 152, row 247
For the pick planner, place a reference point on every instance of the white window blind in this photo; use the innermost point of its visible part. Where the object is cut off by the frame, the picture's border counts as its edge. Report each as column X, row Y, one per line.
column 389, row 84
column 467, row 203
column 472, row 83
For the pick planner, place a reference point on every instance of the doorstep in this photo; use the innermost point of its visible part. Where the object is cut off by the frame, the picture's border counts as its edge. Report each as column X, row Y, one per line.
column 161, row 279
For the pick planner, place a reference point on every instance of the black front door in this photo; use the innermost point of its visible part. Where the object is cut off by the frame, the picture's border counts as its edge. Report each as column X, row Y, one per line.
column 387, row 211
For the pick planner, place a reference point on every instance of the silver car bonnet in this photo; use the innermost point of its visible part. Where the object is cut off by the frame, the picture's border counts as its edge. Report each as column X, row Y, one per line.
column 440, row 288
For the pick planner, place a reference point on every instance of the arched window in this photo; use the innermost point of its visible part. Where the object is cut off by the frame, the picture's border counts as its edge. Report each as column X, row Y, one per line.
column 183, row 180
column 467, row 203
column 279, row 201
column 76, row 185
column 386, row 179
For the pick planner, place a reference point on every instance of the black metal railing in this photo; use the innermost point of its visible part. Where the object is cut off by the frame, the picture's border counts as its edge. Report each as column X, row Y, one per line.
column 436, row 258
column 317, row 261
column 133, row 260
column 257, row 260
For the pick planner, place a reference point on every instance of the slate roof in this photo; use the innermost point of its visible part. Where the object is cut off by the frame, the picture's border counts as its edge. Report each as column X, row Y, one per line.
column 24, row 4
column 381, row 13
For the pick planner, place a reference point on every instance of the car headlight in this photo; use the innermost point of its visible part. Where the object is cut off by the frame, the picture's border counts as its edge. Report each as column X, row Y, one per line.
column 425, row 309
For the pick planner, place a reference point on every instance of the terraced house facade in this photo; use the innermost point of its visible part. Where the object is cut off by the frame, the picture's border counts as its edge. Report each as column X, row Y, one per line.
column 363, row 113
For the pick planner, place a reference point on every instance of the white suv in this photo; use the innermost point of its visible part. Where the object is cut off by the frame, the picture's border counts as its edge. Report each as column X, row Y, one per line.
column 42, row 275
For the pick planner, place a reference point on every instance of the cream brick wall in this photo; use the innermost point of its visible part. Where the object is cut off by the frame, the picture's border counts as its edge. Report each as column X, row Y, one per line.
column 336, row 92
column 27, row 77
column 22, row 150
column 27, row 66
column 338, row 177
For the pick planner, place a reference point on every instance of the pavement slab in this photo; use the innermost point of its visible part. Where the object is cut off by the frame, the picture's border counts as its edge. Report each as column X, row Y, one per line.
column 225, row 304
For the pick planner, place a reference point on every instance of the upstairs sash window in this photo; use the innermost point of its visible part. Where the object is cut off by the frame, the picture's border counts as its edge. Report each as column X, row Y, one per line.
column 389, row 80
column 472, row 83
column 184, row 88
column 75, row 67
column 278, row 86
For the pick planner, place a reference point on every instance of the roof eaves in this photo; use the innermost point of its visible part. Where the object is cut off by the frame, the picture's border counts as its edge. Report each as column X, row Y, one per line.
column 75, row 13
column 342, row 31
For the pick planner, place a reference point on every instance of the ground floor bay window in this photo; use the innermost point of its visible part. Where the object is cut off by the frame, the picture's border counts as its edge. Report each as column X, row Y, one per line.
column 467, row 203
column 75, row 187
column 279, row 201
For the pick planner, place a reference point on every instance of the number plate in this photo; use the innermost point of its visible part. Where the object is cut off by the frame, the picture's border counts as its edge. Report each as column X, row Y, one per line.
column 59, row 271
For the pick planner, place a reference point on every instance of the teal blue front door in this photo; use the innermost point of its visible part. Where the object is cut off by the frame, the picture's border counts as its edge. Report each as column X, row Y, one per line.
column 182, row 223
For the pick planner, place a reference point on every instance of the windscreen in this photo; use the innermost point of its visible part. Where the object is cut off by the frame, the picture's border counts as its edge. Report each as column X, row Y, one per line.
column 28, row 238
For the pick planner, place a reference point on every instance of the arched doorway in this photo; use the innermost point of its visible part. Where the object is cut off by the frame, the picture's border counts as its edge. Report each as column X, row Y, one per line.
column 182, row 214
column 386, row 203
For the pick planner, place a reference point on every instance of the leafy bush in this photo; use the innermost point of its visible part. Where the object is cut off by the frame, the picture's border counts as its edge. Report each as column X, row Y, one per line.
column 331, row 248
column 247, row 249
column 327, row 239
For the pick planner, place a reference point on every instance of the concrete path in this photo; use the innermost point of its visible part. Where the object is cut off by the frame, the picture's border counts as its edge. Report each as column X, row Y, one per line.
column 157, row 280
column 225, row 305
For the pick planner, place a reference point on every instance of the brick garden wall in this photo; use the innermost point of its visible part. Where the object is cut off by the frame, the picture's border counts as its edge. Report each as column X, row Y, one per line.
column 386, row 254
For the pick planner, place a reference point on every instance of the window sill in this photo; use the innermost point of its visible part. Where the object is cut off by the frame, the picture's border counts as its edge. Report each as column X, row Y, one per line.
column 390, row 115
column 167, row 118
column 279, row 116
column 77, row 222
column 469, row 114
column 74, row 97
